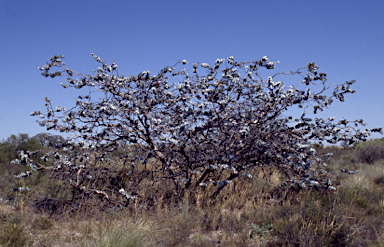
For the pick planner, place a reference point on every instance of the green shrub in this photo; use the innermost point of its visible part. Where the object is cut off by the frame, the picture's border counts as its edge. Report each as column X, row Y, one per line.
column 371, row 151
column 10, row 147
column 261, row 231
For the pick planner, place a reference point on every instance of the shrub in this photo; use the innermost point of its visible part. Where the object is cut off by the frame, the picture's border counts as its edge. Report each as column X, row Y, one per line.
column 195, row 130
column 42, row 223
column 370, row 151
column 9, row 148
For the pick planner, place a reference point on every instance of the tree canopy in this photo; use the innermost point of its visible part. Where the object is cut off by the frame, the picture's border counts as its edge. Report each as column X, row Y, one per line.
column 201, row 128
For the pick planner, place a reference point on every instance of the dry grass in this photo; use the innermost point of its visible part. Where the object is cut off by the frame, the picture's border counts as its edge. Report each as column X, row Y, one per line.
column 246, row 213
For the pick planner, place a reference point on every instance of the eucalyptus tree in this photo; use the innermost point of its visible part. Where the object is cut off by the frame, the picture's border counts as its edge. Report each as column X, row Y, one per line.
column 205, row 126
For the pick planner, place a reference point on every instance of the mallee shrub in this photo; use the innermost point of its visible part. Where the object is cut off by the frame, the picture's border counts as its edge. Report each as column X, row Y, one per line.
column 206, row 126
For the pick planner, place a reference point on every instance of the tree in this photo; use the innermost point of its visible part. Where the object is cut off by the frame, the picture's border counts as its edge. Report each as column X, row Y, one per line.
column 9, row 148
column 48, row 140
column 198, row 129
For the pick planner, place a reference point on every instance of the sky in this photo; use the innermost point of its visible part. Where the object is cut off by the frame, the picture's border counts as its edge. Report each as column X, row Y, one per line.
column 345, row 38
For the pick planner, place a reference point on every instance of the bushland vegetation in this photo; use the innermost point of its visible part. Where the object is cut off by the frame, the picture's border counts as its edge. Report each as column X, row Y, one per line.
column 261, row 213
column 195, row 129
column 211, row 152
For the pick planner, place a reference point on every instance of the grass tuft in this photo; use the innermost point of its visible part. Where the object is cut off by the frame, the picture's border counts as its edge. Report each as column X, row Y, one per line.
column 118, row 233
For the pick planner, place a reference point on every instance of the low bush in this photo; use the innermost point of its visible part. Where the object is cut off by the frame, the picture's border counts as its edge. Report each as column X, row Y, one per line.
column 371, row 151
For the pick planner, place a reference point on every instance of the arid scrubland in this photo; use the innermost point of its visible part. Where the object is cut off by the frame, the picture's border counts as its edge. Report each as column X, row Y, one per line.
column 201, row 156
column 261, row 214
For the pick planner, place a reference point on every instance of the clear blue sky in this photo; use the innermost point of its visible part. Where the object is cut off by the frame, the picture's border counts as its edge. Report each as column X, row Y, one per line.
column 345, row 38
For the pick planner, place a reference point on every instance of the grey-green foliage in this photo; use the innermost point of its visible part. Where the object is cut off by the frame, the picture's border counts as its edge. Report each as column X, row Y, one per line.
column 369, row 152
column 262, row 230
column 203, row 128
column 12, row 145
